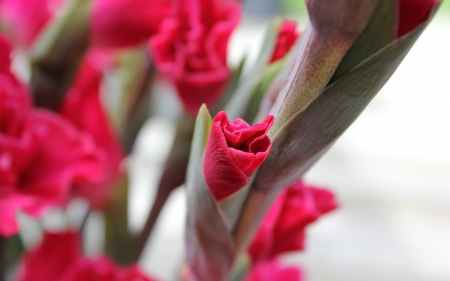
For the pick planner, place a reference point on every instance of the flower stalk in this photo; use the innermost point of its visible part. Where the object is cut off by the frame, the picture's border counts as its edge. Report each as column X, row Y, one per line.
column 58, row 53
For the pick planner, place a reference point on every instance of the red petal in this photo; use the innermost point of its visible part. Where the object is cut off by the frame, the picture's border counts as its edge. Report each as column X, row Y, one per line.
column 412, row 13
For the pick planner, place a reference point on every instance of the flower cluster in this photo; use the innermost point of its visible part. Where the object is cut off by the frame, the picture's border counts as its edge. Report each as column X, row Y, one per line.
column 66, row 128
column 42, row 154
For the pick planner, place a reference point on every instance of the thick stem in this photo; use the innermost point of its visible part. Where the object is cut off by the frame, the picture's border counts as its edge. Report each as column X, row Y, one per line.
column 255, row 208
column 335, row 26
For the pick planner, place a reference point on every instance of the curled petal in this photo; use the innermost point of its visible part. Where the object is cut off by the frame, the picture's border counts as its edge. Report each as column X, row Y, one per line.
column 287, row 37
column 51, row 257
column 84, row 96
column 283, row 228
column 191, row 48
column 233, row 152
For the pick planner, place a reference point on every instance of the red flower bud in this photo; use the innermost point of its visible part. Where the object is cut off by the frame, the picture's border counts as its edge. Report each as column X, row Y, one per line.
column 283, row 228
column 234, row 151
column 412, row 13
column 286, row 39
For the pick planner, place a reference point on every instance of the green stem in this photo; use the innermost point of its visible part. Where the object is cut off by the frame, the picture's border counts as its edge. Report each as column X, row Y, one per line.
column 137, row 111
column 161, row 198
column 173, row 176
column 3, row 258
column 58, row 53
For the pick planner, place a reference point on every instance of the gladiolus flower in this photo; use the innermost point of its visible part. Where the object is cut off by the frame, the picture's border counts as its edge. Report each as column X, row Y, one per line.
column 126, row 23
column 191, row 48
column 26, row 19
column 273, row 271
column 41, row 154
column 287, row 37
column 84, row 96
column 58, row 258
column 412, row 13
column 234, row 151
column 283, row 229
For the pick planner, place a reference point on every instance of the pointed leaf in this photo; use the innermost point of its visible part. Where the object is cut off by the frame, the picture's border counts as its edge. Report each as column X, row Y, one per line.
column 238, row 104
column 310, row 132
column 57, row 55
column 231, row 89
column 381, row 31
column 210, row 247
column 267, row 76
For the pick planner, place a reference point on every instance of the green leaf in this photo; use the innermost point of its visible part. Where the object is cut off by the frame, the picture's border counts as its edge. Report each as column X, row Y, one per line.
column 240, row 100
column 267, row 76
column 310, row 132
column 57, row 54
column 119, row 241
column 210, row 247
column 231, row 89
column 381, row 31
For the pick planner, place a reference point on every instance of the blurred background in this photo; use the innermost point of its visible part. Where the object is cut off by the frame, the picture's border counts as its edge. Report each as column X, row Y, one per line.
column 390, row 171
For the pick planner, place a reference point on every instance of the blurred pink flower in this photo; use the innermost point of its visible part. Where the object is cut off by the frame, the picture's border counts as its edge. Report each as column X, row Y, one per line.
column 233, row 152
column 41, row 154
column 26, row 19
column 59, row 258
column 287, row 37
column 283, row 228
column 126, row 23
column 191, row 48
column 84, row 108
column 273, row 271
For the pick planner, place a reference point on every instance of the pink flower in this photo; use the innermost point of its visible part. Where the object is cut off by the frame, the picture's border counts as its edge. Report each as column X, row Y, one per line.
column 50, row 259
column 83, row 107
column 412, row 13
column 234, row 151
column 287, row 37
column 26, row 19
column 191, row 48
column 283, row 228
column 41, row 154
column 126, row 23
column 59, row 258
column 273, row 271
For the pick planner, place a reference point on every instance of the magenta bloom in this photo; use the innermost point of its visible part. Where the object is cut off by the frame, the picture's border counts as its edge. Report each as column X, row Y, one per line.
column 287, row 37
column 412, row 13
column 273, row 271
column 283, row 229
column 191, row 48
column 41, row 154
column 26, row 19
column 234, row 151
column 126, row 23
column 59, row 258
column 83, row 107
